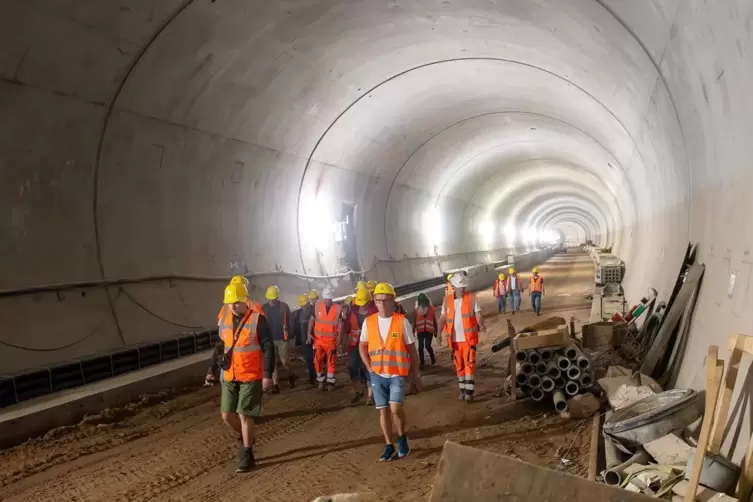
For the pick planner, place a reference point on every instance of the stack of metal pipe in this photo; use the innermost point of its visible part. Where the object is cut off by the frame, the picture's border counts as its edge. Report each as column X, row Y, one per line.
column 556, row 373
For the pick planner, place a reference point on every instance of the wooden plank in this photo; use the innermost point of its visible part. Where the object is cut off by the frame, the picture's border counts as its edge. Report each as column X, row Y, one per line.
column 725, row 399
column 704, row 494
column 747, row 345
column 714, row 372
column 541, row 339
column 470, row 474
column 593, row 456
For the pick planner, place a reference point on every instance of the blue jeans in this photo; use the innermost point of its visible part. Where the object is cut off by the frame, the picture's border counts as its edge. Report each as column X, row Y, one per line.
column 514, row 300
column 387, row 390
column 356, row 368
column 502, row 304
column 536, row 301
column 308, row 355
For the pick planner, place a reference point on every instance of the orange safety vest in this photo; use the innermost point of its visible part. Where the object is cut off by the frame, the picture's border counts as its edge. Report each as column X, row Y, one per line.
column 390, row 357
column 425, row 323
column 537, row 284
column 470, row 324
column 496, row 288
column 450, row 290
column 247, row 361
column 326, row 324
column 517, row 283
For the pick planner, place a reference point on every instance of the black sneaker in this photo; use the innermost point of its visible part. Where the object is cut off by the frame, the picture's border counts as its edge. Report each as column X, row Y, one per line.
column 291, row 381
column 246, row 460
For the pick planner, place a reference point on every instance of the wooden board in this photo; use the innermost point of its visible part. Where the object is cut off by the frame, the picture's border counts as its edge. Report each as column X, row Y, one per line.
column 468, row 474
column 541, row 339
column 725, row 398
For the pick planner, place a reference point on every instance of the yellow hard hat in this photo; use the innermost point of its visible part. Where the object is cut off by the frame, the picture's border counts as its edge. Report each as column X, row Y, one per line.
column 313, row 294
column 239, row 279
column 371, row 285
column 348, row 300
column 273, row 293
column 535, row 270
column 303, row 300
column 511, row 271
column 362, row 297
column 235, row 293
column 384, row 288
column 501, row 277
column 362, row 285
column 449, row 276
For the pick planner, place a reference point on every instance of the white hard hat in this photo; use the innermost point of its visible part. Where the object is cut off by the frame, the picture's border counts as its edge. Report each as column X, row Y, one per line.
column 328, row 293
column 459, row 281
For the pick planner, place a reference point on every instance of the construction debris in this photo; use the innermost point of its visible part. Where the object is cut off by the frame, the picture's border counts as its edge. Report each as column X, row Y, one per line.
column 583, row 406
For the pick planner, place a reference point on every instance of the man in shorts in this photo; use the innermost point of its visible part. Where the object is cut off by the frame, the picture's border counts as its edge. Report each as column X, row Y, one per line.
column 246, row 355
column 388, row 350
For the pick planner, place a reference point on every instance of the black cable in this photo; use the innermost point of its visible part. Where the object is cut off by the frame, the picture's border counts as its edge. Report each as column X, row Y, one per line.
column 146, row 309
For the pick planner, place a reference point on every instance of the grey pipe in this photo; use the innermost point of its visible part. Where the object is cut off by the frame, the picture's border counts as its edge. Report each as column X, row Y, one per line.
column 560, row 403
column 534, row 357
column 583, row 363
column 546, row 354
column 521, row 378
column 527, row 368
column 521, row 356
column 572, row 352
column 534, row 381
column 537, row 394
column 572, row 388
column 613, row 475
column 553, row 371
column 563, row 363
column 525, row 389
column 547, row 384
column 559, row 382
column 573, row 373
column 612, row 455
column 586, row 380
column 542, row 368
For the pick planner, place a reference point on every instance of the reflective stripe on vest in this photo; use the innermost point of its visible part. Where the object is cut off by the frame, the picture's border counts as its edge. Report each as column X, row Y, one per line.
column 390, row 357
column 425, row 323
column 470, row 323
column 537, row 284
column 247, row 360
column 326, row 323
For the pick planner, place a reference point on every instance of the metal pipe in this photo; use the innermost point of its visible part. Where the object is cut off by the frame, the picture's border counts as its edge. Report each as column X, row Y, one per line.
column 521, row 378
column 613, row 476
column 559, row 383
column 586, row 380
column 563, row 363
column 527, row 368
column 546, row 354
column 521, row 356
column 534, row 381
column 537, row 394
column 573, row 373
column 534, row 357
column 560, row 403
column 542, row 368
column 572, row 388
column 572, row 352
column 553, row 371
column 547, row 384
column 525, row 389
column 583, row 363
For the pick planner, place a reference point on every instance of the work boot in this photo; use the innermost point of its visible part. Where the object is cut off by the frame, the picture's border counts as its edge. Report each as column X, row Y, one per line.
column 402, row 446
column 357, row 398
column 388, row 454
column 291, row 381
column 246, row 460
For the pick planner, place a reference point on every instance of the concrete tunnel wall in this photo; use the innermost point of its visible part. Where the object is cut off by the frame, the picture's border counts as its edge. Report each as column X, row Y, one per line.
column 199, row 137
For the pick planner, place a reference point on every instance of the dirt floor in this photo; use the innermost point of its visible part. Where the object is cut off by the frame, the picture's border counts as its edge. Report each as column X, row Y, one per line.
column 310, row 443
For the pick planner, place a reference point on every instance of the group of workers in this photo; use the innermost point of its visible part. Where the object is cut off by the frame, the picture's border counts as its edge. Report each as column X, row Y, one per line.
column 512, row 287
column 385, row 352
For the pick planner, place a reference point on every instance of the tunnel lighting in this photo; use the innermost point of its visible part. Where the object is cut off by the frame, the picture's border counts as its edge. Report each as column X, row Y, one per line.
column 509, row 232
column 529, row 235
column 432, row 227
column 485, row 229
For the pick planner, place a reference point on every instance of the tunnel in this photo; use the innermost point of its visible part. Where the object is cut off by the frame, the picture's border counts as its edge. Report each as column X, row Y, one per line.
column 150, row 150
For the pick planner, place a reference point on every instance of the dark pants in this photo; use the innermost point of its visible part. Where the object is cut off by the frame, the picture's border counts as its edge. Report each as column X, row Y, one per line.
column 424, row 340
column 308, row 355
column 356, row 368
column 502, row 304
column 536, row 301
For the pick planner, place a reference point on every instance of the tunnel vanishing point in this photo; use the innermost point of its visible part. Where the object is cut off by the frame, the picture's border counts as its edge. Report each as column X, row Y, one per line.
column 151, row 148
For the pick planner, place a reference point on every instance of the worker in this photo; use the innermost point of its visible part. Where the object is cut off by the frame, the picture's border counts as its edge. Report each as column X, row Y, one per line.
column 449, row 291
column 425, row 327
column 363, row 306
column 461, row 321
column 361, row 285
column 246, row 355
column 500, row 293
column 279, row 321
column 371, row 285
column 325, row 330
column 298, row 334
column 514, row 290
column 307, row 313
column 536, row 290
column 240, row 279
column 342, row 350
column 388, row 350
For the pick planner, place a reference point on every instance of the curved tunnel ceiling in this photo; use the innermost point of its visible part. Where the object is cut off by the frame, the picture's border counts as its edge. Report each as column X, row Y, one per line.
column 198, row 137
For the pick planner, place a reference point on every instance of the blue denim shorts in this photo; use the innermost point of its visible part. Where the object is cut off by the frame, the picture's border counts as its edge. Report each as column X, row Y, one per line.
column 387, row 390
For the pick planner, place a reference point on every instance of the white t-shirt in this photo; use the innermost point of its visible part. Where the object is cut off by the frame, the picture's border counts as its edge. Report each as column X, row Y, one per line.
column 384, row 330
column 459, row 334
column 514, row 283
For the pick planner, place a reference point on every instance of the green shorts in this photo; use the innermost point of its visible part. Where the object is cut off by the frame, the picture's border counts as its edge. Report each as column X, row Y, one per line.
column 241, row 398
column 282, row 347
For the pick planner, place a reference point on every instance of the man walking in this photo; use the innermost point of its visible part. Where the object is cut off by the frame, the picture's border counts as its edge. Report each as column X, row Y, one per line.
column 246, row 355
column 325, row 329
column 536, row 290
column 500, row 293
column 304, row 318
column 514, row 290
column 461, row 321
column 388, row 349
column 362, row 308
column 425, row 327
column 279, row 321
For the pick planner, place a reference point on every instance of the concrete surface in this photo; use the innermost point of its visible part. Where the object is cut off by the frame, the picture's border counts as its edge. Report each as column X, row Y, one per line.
column 37, row 416
column 195, row 137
